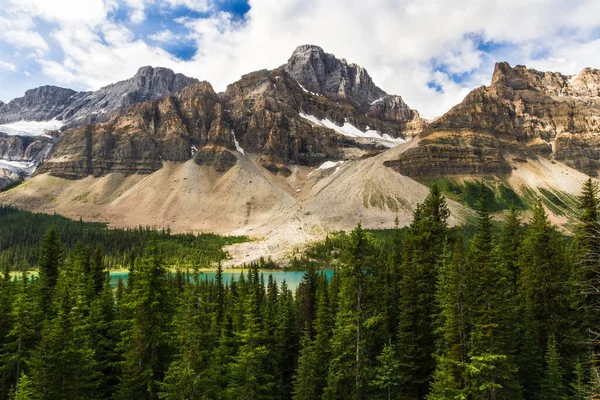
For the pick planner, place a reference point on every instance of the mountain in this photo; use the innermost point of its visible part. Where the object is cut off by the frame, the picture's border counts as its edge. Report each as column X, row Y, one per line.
column 78, row 108
column 266, row 113
column 49, row 108
column 522, row 115
column 260, row 158
column 289, row 154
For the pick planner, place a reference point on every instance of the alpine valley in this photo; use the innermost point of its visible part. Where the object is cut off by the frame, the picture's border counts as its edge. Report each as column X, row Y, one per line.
column 290, row 154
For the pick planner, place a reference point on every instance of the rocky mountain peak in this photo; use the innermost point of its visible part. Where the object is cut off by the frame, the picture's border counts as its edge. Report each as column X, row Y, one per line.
column 584, row 84
column 323, row 73
column 78, row 108
column 39, row 104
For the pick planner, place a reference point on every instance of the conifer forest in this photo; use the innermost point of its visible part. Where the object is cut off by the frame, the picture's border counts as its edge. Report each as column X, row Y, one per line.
column 498, row 310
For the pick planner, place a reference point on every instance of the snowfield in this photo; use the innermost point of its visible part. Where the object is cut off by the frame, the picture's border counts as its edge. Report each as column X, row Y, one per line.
column 18, row 167
column 351, row 131
column 31, row 128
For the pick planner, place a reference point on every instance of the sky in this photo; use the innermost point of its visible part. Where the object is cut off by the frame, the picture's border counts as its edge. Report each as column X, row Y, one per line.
column 431, row 52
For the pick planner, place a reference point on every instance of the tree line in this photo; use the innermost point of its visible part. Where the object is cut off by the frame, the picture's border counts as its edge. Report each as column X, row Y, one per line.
column 430, row 315
column 21, row 233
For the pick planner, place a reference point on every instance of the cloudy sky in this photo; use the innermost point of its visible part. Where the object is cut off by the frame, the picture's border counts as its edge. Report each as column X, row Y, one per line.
column 431, row 52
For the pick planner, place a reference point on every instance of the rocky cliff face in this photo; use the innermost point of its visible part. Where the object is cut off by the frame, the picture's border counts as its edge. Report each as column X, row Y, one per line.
column 323, row 73
column 526, row 112
column 175, row 128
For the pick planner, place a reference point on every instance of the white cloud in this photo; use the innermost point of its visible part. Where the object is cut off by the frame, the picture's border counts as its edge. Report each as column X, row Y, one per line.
column 7, row 66
column 401, row 43
column 164, row 36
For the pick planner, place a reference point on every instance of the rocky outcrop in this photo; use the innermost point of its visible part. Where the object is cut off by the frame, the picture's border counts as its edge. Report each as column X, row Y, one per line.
column 170, row 129
column 73, row 108
column 18, row 148
column 393, row 108
column 323, row 74
column 529, row 112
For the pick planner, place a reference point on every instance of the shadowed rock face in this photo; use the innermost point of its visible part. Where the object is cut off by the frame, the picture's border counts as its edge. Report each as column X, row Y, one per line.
column 18, row 148
column 525, row 111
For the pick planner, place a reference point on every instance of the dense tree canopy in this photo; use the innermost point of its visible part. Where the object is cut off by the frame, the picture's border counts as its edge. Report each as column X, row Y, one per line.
column 431, row 312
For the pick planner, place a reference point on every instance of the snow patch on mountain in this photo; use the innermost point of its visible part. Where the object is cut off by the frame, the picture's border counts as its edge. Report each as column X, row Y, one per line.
column 237, row 145
column 18, row 167
column 31, row 128
column 351, row 131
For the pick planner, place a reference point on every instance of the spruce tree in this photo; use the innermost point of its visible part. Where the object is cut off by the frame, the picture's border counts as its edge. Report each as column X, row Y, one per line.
column 21, row 338
column 423, row 252
column 449, row 379
column 249, row 377
column 491, row 370
column 144, row 345
column 552, row 384
column 347, row 378
column 387, row 376
column 586, row 251
column 26, row 390
column 305, row 380
column 544, row 299
column 51, row 259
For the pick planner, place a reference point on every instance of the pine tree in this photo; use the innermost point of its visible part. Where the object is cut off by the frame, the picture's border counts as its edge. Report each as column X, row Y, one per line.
column 387, row 372
column 26, row 390
column 423, row 251
column 450, row 374
column 490, row 369
column 286, row 342
column 144, row 345
column 586, row 251
column 182, row 378
column 305, row 380
column 544, row 299
column 580, row 389
column 51, row 260
column 313, row 363
column 508, row 246
column 20, row 339
column 552, row 385
column 249, row 379
column 97, row 271
column 347, row 378
column 63, row 364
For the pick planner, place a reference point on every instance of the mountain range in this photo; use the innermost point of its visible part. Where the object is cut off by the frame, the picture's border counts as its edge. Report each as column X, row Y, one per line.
column 290, row 154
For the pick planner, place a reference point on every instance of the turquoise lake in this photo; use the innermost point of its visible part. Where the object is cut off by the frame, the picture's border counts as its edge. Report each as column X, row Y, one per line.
column 292, row 278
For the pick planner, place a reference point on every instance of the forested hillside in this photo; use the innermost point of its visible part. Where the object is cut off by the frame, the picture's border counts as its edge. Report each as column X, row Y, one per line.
column 511, row 315
column 21, row 233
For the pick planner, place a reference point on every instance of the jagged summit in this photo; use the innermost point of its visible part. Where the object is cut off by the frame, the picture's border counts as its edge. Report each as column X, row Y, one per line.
column 39, row 104
column 334, row 78
column 79, row 108
column 322, row 73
